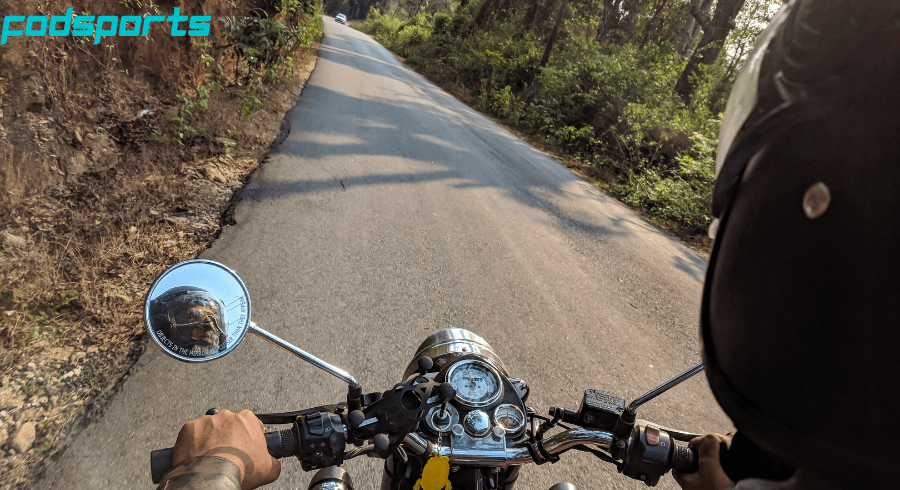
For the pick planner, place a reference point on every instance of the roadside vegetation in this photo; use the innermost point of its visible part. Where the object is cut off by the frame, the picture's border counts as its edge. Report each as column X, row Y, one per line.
column 118, row 160
column 631, row 91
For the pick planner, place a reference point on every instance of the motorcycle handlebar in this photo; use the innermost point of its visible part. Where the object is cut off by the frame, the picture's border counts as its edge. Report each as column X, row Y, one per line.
column 683, row 459
column 280, row 444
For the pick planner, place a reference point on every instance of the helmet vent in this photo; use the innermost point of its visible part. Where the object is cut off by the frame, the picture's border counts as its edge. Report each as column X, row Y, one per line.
column 816, row 200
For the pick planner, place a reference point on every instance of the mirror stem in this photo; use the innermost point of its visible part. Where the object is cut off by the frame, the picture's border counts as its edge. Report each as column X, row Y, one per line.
column 315, row 361
column 646, row 397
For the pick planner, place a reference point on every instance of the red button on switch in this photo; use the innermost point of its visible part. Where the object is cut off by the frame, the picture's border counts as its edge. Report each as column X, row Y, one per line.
column 652, row 435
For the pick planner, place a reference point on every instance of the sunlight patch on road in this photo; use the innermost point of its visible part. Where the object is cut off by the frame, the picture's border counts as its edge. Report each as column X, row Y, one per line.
column 369, row 123
column 437, row 141
column 329, row 139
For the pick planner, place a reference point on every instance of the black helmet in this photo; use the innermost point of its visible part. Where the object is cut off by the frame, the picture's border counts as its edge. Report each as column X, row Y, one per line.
column 191, row 319
column 798, row 327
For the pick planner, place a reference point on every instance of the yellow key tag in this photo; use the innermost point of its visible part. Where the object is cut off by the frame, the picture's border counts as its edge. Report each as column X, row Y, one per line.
column 435, row 474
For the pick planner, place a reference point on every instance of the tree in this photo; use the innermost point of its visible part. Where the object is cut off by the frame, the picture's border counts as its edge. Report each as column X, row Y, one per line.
column 754, row 17
column 616, row 19
column 488, row 8
column 656, row 22
column 715, row 32
column 554, row 35
column 530, row 17
column 691, row 27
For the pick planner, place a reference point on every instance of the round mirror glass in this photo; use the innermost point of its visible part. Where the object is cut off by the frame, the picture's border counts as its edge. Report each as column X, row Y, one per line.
column 197, row 310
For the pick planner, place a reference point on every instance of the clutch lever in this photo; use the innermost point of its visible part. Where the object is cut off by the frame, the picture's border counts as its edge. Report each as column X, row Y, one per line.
column 291, row 417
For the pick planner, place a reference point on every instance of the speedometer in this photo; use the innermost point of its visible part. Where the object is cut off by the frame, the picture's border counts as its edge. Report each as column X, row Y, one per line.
column 476, row 383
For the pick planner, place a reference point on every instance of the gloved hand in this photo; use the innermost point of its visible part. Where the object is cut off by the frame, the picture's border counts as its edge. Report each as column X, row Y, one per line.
column 237, row 437
column 710, row 476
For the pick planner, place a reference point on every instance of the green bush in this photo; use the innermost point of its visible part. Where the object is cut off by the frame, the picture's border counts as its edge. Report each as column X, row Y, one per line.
column 681, row 203
column 266, row 43
column 420, row 20
column 500, row 103
column 442, row 23
column 412, row 36
column 461, row 24
column 291, row 8
column 382, row 27
column 681, row 196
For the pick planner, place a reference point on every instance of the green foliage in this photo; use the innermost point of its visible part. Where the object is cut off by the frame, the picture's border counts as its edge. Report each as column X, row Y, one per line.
column 608, row 100
column 292, row 8
column 399, row 35
column 264, row 42
column 412, row 35
column 251, row 95
column 500, row 103
column 680, row 203
column 264, row 46
column 382, row 27
column 420, row 20
column 190, row 108
column 442, row 23
column 681, row 196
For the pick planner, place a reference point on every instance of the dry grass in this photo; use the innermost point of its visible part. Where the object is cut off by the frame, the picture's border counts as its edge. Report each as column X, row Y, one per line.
column 79, row 249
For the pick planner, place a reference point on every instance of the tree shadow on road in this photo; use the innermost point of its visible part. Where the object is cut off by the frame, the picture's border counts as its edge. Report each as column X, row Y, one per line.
column 383, row 112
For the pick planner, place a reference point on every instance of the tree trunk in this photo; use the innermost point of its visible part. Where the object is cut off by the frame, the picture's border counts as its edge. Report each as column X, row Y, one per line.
column 714, row 34
column 530, row 14
column 502, row 10
column 554, row 35
column 692, row 27
column 651, row 24
column 563, row 10
column 609, row 20
column 488, row 7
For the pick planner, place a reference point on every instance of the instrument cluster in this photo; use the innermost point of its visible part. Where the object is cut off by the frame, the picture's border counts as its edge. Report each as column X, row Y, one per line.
column 485, row 400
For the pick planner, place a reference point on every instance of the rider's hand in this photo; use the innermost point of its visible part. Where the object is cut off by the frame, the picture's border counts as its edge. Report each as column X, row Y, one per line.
column 237, row 437
column 710, row 476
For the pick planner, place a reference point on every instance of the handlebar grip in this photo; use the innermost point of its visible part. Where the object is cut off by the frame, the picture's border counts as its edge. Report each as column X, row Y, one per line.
column 280, row 444
column 684, row 460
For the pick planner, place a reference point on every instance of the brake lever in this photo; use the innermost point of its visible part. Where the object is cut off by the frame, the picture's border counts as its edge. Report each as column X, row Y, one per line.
column 678, row 435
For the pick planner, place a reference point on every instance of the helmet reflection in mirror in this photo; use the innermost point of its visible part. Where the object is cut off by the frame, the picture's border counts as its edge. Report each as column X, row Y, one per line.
column 191, row 319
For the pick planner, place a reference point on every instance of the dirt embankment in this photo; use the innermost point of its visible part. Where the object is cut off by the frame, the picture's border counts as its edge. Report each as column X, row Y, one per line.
column 100, row 191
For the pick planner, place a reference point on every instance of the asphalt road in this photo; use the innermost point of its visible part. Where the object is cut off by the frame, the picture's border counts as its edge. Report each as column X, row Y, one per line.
column 392, row 211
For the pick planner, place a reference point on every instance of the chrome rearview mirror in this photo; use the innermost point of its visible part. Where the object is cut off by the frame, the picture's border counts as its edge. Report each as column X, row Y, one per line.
column 197, row 310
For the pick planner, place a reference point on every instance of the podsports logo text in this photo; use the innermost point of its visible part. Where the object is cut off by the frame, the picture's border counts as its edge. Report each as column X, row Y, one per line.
column 100, row 26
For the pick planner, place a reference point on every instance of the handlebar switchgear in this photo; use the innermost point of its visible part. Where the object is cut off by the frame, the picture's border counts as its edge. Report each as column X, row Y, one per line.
column 652, row 453
column 323, row 439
